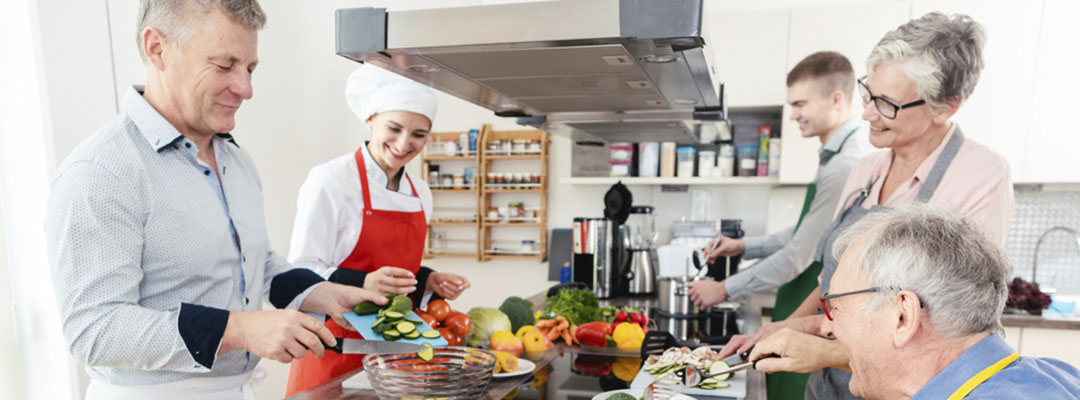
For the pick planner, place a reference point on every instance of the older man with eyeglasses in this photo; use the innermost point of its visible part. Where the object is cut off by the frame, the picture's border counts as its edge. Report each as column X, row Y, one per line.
column 917, row 300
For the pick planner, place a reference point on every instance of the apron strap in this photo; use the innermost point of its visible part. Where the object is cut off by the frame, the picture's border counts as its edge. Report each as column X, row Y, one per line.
column 982, row 376
column 362, row 169
column 934, row 178
column 827, row 155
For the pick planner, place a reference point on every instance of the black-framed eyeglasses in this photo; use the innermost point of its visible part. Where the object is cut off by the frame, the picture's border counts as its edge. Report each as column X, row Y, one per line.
column 826, row 297
column 886, row 107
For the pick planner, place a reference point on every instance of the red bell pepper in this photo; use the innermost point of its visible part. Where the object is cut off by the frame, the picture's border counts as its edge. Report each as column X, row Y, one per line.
column 594, row 333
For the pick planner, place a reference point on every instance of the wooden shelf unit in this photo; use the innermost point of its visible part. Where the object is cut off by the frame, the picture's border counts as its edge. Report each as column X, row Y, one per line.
column 487, row 136
column 473, row 160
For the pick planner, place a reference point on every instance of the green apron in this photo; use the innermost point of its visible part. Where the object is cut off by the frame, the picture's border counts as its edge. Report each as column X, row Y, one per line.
column 790, row 385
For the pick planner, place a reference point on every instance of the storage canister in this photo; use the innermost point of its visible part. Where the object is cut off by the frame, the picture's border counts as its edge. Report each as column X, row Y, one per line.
column 706, row 162
column 747, row 160
column 685, row 166
column 648, row 159
column 725, row 162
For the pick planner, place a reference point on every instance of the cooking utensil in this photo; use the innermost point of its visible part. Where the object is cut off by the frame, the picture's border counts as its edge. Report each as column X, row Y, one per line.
column 703, row 267
column 361, row 346
column 674, row 296
column 660, row 391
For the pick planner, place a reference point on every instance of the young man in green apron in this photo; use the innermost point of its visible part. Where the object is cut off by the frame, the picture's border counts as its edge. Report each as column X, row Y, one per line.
column 819, row 92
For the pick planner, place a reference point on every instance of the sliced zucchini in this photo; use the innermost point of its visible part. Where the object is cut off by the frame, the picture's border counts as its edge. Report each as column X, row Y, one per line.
column 431, row 334
column 393, row 316
column 427, row 353
column 391, row 335
column 405, row 327
column 718, row 366
column 378, row 321
column 411, row 335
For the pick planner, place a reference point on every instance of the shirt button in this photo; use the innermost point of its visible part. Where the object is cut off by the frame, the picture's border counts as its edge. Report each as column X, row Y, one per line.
column 188, row 145
column 247, row 300
column 207, row 172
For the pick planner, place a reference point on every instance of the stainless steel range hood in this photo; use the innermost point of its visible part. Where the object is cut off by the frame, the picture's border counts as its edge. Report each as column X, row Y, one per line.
column 617, row 69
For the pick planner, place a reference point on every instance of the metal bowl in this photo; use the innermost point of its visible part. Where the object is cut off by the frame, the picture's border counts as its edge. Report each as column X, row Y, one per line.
column 454, row 373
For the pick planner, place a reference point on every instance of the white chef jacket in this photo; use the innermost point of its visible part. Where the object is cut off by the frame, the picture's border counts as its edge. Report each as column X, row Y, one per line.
column 330, row 210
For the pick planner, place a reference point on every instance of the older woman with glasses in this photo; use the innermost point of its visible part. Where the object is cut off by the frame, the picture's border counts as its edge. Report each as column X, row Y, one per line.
column 918, row 77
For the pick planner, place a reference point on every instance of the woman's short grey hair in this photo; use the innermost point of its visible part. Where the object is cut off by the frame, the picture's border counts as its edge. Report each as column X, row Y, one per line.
column 958, row 272
column 176, row 19
column 941, row 54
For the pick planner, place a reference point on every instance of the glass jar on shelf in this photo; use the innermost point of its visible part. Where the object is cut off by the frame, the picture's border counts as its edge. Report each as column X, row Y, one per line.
column 493, row 213
column 505, row 146
column 528, row 246
column 534, row 146
column 519, row 146
column 517, row 209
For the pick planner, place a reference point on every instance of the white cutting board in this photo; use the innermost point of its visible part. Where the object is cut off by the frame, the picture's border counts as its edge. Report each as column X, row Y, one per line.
column 737, row 388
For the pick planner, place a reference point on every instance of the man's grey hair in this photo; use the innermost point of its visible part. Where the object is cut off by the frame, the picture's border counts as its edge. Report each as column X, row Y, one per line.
column 177, row 20
column 958, row 272
column 941, row 54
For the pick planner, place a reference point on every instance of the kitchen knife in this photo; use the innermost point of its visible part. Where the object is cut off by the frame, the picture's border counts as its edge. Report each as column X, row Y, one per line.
column 738, row 358
column 361, row 346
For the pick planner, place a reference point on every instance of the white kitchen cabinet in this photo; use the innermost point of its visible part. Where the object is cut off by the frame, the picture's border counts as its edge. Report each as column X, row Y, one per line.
column 1051, row 140
column 999, row 112
column 851, row 30
column 1054, row 343
column 749, row 55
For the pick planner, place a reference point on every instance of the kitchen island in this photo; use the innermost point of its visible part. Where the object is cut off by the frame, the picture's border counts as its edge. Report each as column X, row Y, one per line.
column 564, row 372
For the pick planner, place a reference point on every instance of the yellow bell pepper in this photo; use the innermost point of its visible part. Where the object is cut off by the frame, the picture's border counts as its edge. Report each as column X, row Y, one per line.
column 628, row 336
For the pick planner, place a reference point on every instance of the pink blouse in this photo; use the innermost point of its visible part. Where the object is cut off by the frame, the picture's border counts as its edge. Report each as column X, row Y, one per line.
column 977, row 184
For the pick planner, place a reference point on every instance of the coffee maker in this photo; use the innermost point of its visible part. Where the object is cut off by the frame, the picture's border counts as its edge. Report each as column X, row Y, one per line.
column 641, row 262
column 599, row 251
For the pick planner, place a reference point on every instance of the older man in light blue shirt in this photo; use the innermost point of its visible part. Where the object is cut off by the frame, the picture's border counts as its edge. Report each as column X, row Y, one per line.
column 156, row 234
column 915, row 303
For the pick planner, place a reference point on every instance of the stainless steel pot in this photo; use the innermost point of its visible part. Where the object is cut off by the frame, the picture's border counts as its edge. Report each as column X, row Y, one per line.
column 674, row 296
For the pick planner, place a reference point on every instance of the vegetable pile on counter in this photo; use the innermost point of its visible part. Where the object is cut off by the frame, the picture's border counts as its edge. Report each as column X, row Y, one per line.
column 452, row 325
column 575, row 316
column 509, row 329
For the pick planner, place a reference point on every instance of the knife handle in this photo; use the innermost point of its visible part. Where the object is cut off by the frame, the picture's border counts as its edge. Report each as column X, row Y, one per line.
column 336, row 349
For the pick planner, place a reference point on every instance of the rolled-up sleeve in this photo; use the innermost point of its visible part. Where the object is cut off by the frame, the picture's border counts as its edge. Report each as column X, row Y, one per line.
column 95, row 240
column 796, row 255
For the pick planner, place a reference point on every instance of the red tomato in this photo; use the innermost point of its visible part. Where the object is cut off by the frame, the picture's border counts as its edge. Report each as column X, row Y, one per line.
column 428, row 319
column 459, row 323
column 451, row 338
column 439, row 309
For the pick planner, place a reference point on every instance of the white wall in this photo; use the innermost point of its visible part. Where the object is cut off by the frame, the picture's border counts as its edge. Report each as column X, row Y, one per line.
column 11, row 379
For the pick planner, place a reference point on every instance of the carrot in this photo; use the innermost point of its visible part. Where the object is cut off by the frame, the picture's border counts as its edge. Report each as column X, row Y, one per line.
column 573, row 334
column 553, row 335
column 567, row 338
column 545, row 323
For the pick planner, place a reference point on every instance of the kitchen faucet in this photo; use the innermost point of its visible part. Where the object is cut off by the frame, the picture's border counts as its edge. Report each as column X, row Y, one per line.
column 1035, row 260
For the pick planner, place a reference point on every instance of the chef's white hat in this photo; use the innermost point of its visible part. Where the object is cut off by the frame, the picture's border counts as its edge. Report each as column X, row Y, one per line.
column 371, row 90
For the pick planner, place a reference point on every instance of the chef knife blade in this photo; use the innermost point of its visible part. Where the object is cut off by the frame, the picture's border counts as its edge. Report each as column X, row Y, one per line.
column 361, row 346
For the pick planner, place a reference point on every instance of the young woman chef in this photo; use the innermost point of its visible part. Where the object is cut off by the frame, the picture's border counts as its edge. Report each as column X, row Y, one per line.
column 362, row 219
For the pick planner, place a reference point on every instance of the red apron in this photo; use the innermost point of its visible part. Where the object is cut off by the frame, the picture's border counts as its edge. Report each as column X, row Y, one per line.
column 386, row 238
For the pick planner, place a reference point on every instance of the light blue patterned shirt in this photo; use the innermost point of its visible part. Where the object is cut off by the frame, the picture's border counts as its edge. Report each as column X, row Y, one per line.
column 149, row 251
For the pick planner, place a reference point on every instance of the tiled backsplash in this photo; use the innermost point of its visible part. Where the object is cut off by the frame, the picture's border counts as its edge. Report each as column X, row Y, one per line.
column 1036, row 211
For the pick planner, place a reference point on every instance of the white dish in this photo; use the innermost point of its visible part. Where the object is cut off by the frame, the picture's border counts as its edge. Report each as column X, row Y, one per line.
column 637, row 393
column 524, row 367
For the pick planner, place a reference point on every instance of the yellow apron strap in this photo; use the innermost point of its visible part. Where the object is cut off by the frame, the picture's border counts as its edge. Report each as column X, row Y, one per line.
column 982, row 376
